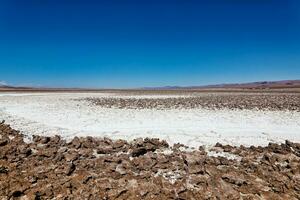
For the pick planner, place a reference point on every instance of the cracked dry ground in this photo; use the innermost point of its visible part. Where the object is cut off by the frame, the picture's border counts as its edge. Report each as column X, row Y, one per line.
column 90, row 168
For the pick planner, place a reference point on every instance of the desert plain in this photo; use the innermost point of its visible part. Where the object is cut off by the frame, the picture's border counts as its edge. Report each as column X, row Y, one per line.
column 150, row 144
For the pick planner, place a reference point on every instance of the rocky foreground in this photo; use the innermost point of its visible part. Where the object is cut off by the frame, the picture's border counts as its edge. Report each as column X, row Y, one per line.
column 90, row 168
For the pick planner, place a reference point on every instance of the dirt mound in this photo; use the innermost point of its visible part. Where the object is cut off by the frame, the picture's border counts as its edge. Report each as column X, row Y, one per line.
column 91, row 168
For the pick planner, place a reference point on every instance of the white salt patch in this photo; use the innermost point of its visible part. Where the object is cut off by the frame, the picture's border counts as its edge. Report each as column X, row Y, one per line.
column 11, row 137
column 171, row 176
column 282, row 164
column 120, row 169
column 15, row 94
column 28, row 139
column 227, row 155
column 52, row 114
column 187, row 149
column 96, row 154
column 34, row 151
column 166, row 151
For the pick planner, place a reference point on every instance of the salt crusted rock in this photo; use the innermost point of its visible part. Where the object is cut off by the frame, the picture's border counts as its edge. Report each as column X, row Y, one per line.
column 91, row 168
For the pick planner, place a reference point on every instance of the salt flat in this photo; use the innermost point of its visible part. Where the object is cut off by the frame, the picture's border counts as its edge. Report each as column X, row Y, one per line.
column 63, row 114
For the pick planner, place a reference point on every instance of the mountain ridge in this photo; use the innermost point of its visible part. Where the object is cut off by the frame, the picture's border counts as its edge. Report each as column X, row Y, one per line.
column 248, row 85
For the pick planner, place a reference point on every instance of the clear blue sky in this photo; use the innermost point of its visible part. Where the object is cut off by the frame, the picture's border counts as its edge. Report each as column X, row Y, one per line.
column 136, row 43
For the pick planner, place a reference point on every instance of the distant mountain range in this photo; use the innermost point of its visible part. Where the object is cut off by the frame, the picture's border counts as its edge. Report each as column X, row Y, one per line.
column 251, row 85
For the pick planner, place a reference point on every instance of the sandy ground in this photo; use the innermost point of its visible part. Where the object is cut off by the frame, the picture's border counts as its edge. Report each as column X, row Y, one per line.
column 61, row 113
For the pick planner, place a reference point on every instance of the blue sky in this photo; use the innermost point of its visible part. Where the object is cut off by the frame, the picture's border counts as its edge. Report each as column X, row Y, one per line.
column 137, row 43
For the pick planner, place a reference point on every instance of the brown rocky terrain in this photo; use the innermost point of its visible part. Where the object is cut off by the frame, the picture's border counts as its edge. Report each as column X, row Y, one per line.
column 278, row 101
column 94, row 168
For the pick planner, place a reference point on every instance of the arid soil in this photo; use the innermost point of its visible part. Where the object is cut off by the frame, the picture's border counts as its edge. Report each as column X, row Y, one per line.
column 94, row 168
column 289, row 102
